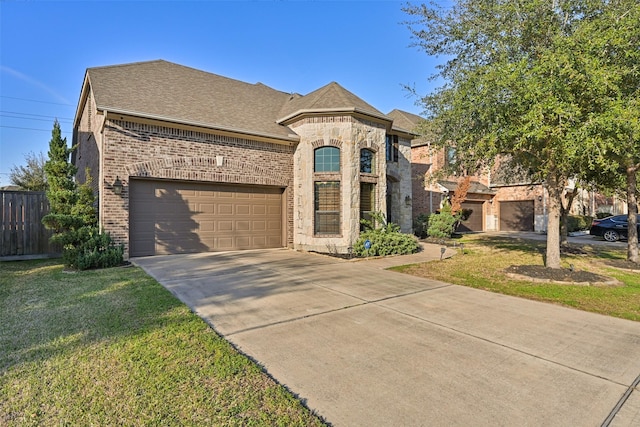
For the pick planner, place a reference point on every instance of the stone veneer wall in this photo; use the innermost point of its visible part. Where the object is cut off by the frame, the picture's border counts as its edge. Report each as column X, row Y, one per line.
column 400, row 173
column 350, row 134
column 137, row 150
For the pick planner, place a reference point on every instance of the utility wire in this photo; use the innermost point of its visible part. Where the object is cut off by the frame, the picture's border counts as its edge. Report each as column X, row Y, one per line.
column 16, row 127
column 35, row 100
column 35, row 115
column 32, row 118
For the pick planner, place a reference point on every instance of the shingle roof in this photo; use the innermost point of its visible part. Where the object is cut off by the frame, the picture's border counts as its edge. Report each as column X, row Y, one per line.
column 404, row 120
column 331, row 97
column 474, row 187
column 173, row 92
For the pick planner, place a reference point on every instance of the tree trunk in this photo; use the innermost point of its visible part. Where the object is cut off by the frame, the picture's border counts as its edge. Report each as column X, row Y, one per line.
column 555, row 188
column 564, row 215
column 632, row 204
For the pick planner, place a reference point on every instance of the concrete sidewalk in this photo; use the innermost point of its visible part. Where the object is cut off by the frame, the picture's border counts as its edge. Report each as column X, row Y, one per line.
column 364, row 346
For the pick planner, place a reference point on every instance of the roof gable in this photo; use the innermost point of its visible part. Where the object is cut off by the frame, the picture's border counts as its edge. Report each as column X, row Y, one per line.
column 404, row 120
column 329, row 98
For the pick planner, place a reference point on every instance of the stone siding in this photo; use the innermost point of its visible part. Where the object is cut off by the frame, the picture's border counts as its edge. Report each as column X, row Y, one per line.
column 350, row 134
column 399, row 174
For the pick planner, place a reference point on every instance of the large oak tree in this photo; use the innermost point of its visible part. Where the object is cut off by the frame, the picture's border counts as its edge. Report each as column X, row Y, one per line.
column 609, row 44
column 513, row 88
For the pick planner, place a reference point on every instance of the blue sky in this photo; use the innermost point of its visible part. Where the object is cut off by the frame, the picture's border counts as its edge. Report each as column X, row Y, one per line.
column 293, row 46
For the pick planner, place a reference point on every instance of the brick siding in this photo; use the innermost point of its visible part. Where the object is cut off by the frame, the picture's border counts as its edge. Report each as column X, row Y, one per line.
column 132, row 149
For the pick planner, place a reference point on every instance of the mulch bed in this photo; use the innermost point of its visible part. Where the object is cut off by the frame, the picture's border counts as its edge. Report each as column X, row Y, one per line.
column 622, row 264
column 540, row 273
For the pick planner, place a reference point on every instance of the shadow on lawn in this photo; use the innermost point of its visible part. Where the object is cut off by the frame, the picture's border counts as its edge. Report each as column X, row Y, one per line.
column 46, row 312
column 510, row 243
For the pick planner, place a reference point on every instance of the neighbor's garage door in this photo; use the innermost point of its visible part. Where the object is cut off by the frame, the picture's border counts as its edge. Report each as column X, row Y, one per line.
column 177, row 217
column 474, row 221
column 516, row 216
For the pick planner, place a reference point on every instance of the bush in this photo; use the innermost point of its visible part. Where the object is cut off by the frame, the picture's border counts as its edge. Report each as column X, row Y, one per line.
column 601, row 215
column 578, row 223
column 385, row 239
column 442, row 225
column 87, row 248
column 421, row 225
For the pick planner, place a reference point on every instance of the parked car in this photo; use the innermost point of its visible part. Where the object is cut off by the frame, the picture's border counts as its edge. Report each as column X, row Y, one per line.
column 612, row 228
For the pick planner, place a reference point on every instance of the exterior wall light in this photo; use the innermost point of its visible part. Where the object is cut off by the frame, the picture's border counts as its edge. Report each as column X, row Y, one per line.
column 117, row 186
column 407, row 201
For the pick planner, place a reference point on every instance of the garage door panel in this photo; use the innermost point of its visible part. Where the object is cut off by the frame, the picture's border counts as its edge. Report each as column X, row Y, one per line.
column 274, row 210
column 207, row 208
column 260, row 241
column 225, row 209
column 273, row 225
column 179, row 217
column 224, row 226
column 242, row 226
column 242, row 209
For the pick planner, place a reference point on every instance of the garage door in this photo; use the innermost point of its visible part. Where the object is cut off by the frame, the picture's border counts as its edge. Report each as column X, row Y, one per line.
column 474, row 221
column 516, row 216
column 177, row 217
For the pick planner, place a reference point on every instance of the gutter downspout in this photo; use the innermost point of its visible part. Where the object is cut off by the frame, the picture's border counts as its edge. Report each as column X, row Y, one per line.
column 101, row 174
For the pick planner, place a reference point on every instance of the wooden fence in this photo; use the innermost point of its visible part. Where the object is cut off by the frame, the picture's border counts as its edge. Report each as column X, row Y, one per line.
column 22, row 233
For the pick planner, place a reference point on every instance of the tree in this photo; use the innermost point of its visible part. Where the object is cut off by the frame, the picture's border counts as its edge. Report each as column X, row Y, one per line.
column 513, row 88
column 31, row 176
column 460, row 194
column 614, row 123
column 72, row 214
column 60, row 172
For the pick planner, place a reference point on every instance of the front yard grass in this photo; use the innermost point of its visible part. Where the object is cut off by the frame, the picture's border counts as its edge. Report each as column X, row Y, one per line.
column 486, row 257
column 113, row 347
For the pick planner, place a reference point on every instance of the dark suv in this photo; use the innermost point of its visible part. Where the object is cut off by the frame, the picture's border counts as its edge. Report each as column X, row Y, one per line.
column 612, row 228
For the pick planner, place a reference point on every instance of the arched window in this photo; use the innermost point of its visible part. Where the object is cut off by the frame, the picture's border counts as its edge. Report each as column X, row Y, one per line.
column 367, row 161
column 326, row 159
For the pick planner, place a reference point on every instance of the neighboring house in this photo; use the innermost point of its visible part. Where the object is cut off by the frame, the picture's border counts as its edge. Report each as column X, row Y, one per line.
column 497, row 200
column 183, row 160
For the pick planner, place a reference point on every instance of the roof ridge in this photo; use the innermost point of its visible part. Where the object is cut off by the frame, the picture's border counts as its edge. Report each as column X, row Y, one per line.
column 126, row 64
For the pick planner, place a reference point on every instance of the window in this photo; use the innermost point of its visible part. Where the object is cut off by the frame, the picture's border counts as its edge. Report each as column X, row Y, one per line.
column 327, row 207
column 392, row 148
column 367, row 161
column 451, row 155
column 327, row 159
column 367, row 200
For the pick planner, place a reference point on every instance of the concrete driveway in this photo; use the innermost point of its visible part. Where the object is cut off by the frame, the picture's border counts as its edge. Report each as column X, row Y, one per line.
column 362, row 346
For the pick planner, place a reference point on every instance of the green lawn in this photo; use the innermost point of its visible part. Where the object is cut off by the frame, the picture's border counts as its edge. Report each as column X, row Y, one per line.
column 486, row 257
column 113, row 347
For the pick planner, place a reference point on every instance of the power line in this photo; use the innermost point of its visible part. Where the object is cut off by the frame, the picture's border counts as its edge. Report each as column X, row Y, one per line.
column 31, row 118
column 35, row 100
column 36, row 115
column 16, row 127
